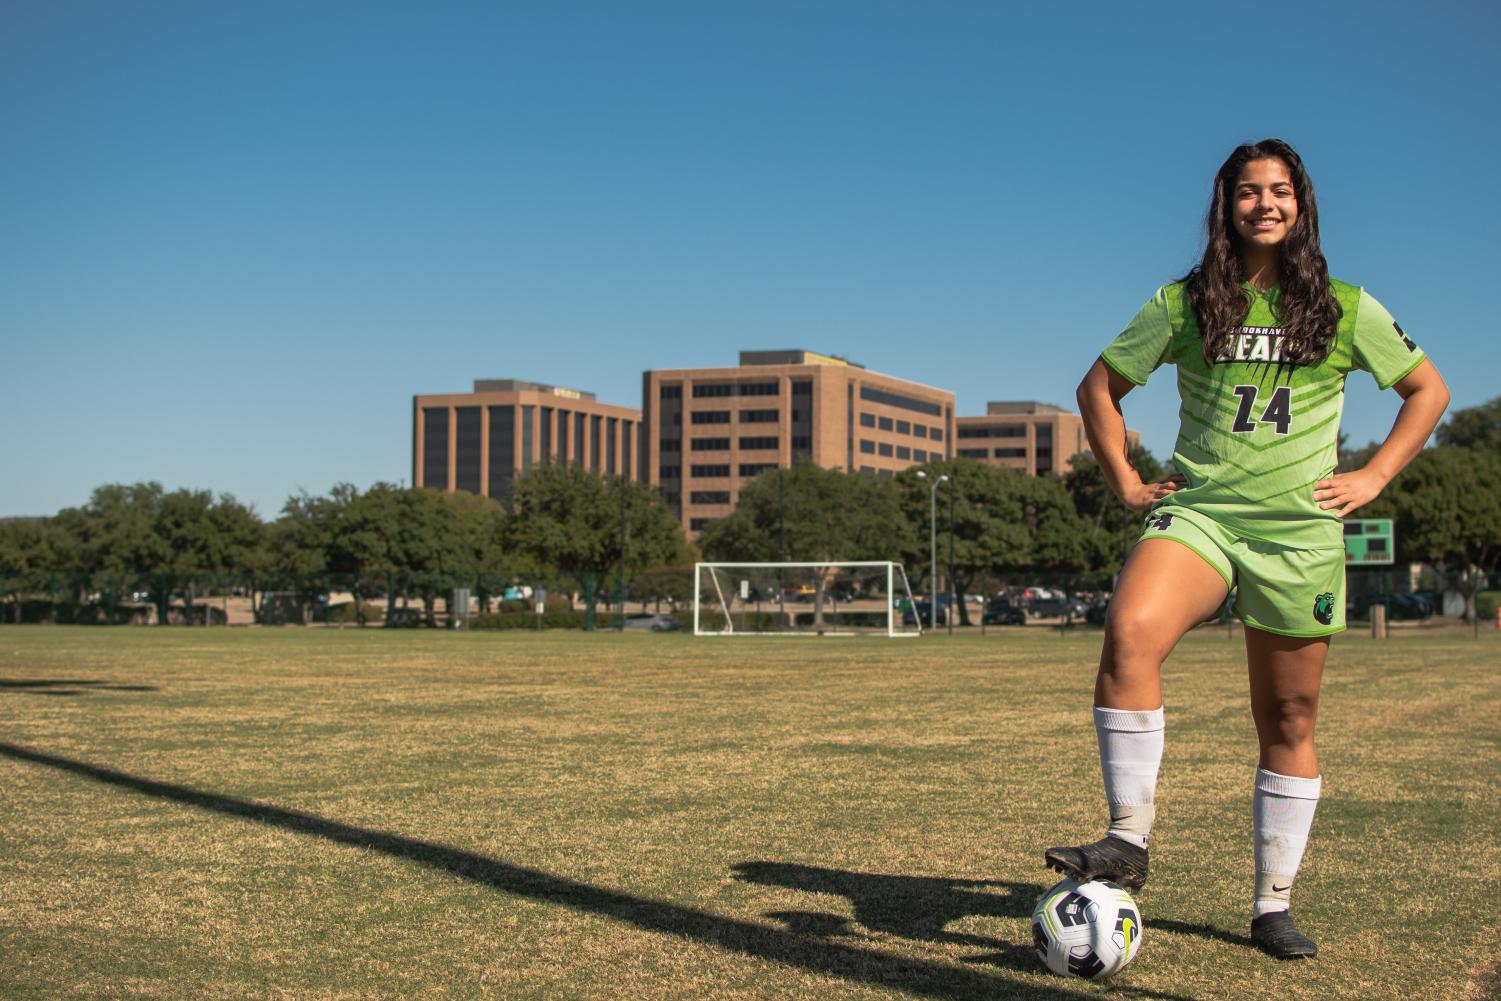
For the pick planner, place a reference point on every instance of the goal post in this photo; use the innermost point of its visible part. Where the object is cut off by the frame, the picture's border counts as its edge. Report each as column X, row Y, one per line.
column 845, row 598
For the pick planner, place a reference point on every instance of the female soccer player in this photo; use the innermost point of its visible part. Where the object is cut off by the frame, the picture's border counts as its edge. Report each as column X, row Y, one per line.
column 1262, row 338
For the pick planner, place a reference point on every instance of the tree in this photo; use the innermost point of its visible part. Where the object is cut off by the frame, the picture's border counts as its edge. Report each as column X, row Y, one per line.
column 1004, row 522
column 1096, row 503
column 1476, row 427
column 824, row 515
column 1446, row 510
column 574, row 522
column 31, row 552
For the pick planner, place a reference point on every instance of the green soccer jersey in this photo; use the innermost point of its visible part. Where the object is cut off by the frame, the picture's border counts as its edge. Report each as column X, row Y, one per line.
column 1254, row 437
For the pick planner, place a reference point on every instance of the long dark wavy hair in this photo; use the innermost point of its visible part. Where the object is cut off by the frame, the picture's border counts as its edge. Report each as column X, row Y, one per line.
column 1306, row 311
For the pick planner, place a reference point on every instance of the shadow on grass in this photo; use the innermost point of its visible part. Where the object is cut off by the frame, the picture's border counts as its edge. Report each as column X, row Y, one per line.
column 64, row 686
column 916, row 907
column 805, row 950
column 1202, row 931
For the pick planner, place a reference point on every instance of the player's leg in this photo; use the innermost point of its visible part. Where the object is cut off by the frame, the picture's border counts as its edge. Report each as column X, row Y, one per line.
column 1285, row 674
column 1167, row 587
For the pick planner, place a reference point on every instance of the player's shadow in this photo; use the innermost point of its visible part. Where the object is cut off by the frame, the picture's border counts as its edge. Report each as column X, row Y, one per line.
column 68, row 686
column 915, row 907
column 804, row 949
column 1202, row 931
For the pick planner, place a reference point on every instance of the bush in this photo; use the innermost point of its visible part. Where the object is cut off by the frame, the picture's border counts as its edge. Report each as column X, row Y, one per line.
column 1485, row 605
column 344, row 611
column 561, row 617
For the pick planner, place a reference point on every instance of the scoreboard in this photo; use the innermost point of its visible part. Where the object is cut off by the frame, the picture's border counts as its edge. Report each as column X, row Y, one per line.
column 1368, row 542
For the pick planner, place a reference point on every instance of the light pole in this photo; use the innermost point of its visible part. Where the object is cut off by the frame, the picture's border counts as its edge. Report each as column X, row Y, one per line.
column 932, row 547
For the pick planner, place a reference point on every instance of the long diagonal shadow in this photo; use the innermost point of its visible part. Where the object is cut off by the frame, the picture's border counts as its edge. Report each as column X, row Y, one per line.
column 917, row 976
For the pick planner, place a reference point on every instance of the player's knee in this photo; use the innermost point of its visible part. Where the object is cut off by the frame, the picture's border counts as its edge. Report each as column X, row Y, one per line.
column 1292, row 719
column 1131, row 635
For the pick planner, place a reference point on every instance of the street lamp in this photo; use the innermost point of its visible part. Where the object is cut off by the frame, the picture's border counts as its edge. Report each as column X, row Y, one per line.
column 932, row 547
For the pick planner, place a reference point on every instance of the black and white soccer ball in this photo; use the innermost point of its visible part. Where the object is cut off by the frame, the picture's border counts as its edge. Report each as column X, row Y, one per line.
column 1089, row 930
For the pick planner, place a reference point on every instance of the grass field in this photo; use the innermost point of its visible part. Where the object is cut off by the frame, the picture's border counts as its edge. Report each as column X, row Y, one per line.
column 359, row 814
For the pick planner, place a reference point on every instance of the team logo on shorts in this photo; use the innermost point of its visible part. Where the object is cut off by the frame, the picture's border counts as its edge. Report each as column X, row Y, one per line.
column 1161, row 522
column 1323, row 608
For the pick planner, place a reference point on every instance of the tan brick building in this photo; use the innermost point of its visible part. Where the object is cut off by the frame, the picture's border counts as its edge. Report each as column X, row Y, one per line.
column 709, row 430
column 1038, row 438
column 480, row 441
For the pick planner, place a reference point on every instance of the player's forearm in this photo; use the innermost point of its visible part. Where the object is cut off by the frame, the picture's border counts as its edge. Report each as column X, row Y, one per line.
column 1421, row 409
column 1105, row 426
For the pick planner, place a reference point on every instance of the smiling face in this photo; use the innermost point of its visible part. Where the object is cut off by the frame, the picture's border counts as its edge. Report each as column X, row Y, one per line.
column 1264, row 204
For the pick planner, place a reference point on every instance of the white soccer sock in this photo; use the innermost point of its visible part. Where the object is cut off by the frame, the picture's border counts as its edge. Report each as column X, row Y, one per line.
column 1282, row 815
column 1130, row 753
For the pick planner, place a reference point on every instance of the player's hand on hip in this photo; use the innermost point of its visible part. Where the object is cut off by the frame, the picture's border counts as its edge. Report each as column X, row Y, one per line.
column 1343, row 493
column 1142, row 496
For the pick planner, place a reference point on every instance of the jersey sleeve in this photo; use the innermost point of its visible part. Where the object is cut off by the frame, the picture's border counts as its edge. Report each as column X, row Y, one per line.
column 1382, row 347
column 1146, row 342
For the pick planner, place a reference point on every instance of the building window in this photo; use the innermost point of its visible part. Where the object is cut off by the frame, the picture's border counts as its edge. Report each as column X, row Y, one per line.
column 594, row 435
column 435, row 448
column 903, row 452
column 760, row 389
column 898, row 400
column 750, row 444
column 994, row 431
column 705, row 390
column 672, row 497
column 972, row 453
column 709, row 471
column 699, row 524
column 1000, row 453
column 467, row 449
column 936, row 434
column 670, row 445
column 1044, row 452
column 802, row 387
column 802, row 443
column 709, row 497
column 749, row 470
column 544, row 429
column 884, row 423
column 903, row 427
column 919, row 455
column 758, row 416
column 671, row 472
column 528, row 425
column 867, row 447
column 711, row 417
column 868, row 470
column 921, row 430
column 502, row 452
column 672, row 392
column 867, row 420
column 612, row 428
column 884, row 448
column 884, row 474
column 563, row 436
column 1044, row 431
column 710, row 445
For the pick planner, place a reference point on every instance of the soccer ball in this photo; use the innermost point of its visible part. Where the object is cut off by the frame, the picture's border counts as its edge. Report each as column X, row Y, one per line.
column 1089, row 930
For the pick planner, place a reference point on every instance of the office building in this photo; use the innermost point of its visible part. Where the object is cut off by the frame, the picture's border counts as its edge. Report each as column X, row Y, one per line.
column 1037, row 438
column 480, row 441
column 710, row 430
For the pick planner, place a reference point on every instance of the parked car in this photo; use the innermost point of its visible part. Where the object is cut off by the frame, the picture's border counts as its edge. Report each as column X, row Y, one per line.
column 655, row 621
column 1053, row 608
column 1400, row 606
column 1000, row 612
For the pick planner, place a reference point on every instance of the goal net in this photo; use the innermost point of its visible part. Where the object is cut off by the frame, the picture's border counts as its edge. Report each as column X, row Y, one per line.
column 803, row 599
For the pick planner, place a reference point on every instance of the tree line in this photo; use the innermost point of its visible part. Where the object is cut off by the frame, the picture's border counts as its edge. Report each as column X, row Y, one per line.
column 574, row 530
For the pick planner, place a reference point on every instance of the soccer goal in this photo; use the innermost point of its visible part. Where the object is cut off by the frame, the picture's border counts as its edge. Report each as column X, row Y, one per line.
column 871, row 598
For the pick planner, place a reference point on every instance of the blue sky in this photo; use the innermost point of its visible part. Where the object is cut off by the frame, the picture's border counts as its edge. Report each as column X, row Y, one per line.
column 239, row 237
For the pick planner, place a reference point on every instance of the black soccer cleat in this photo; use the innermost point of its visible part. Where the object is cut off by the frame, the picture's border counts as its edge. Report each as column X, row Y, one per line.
column 1277, row 936
column 1109, row 858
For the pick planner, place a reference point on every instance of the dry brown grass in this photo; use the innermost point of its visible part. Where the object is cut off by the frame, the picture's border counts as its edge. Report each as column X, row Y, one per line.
column 322, row 814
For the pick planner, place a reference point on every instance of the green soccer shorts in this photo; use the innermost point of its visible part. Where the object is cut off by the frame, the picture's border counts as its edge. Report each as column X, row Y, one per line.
column 1292, row 592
